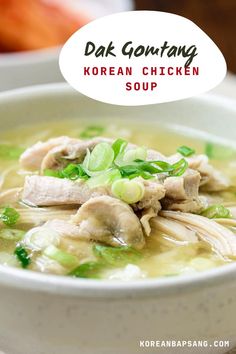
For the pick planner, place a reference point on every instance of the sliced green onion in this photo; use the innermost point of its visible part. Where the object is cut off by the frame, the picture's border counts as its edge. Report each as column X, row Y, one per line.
column 131, row 155
column 74, row 172
column 103, row 179
column 88, row 270
column 12, row 234
column 117, row 256
column 147, row 169
column 119, row 147
column 64, row 258
column 92, row 131
column 22, row 256
column 52, row 173
column 219, row 152
column 39, row 238
column 186, row 151
column 179, row 168
column 155, row 166
column 130, row 191
column 9, row 216
column 101, row 157
column 216, row 211
column 10, row 152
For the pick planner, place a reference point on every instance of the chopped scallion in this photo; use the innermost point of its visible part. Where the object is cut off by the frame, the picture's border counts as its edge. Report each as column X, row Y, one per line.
column 92, row 131
column 74, row 172
column 119, row 147
column 216, row 211
column 10, row 152
column 100, row 159
column 9, row 216
column 219, row 152
column 132, row 155
column 179, row 168
column 62, row 257
column 52, row 173
column 130, row 191
column 117, row 256
column 103, row 179
column 88, row 270
column 186, row 151
column 22, row 256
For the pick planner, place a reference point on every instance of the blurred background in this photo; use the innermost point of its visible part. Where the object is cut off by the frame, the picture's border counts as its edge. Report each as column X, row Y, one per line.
column 32, row 32
column 215, row 17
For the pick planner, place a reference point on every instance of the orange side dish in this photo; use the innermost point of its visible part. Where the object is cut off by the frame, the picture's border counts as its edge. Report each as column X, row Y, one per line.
column 34, row 24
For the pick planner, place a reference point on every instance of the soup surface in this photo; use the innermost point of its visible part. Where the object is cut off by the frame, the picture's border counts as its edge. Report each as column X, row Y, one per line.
column 148, row 202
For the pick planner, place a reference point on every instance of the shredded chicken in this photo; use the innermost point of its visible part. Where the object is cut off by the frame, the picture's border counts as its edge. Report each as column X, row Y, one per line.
column 173, row 229
column 219, row 237
column 39, row 216
column 147, row 215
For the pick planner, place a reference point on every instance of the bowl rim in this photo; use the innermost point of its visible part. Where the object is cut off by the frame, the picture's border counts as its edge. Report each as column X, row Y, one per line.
column 29, row 57
column 90, row 288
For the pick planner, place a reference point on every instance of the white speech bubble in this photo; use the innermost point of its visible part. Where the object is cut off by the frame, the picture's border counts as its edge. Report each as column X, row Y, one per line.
column 140, row 57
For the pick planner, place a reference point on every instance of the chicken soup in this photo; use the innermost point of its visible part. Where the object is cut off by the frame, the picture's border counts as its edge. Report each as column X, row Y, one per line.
column 109, row 201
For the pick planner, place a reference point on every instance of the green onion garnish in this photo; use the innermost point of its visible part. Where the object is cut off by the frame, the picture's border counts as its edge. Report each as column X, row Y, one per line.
column 88, row 270
column 100, row 159
column 52, row 173
column 219, row 152
column 186, row 151
column 216, row 211
column 107, row 163
column 179, row 168
column 119, row 147
column 104, row 179
column 9, row 216
column 117, row 256
column 72, row 171
column 10, row 152
column 130, row 191
column 22, row 256
column 147, row 169
column 92, row 131
column 107, row 257
column 62, row 257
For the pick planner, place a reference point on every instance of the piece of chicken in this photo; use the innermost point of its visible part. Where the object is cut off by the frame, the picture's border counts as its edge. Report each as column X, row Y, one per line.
column 221, row 239
column 50, row 191
column 111, row 221
column 32, row 158
column 70, row 151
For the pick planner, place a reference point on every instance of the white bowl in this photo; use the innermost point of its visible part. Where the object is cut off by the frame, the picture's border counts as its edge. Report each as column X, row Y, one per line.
column 58, row 315
column 41, row 66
